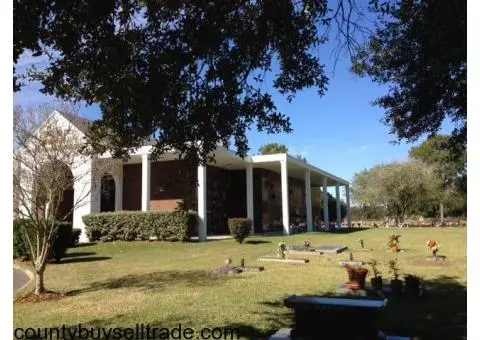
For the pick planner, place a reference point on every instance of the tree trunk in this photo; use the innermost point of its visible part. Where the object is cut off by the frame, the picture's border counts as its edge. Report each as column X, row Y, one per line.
column 39, row 286
column 441, row 213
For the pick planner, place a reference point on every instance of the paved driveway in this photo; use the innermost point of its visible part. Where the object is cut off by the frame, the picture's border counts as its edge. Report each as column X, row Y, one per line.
column 19, row 279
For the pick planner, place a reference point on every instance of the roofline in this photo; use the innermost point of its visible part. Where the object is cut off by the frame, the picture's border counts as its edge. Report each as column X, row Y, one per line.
column 315, row 169
column 285, row 156
column 253, row 160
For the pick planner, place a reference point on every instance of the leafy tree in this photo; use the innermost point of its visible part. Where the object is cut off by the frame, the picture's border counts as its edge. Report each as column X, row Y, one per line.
column 452, row 168
column 450, row 171
column 419, row 49
column 272, row 148
column 366, row 211
column 186, row 74
column 398, row 187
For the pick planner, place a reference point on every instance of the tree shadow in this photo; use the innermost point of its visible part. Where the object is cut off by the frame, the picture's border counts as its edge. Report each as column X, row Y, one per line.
column 157, row 281
column 257, row 242
column 79, row 254
column 346, row 230
column 85, row 244
column 440, row 314
column 277, row 316
column 83, row 259
column 109, row 328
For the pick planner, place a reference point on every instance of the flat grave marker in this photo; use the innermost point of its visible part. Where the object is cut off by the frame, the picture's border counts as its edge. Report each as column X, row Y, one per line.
column 331, row 249
column 290, row 261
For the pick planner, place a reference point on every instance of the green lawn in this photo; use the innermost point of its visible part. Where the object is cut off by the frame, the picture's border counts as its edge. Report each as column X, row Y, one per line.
column 164, row 284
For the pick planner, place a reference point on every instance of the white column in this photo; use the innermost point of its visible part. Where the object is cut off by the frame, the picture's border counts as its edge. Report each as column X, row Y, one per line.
column 249, row 179
column 285, row 205
column 202, row 202
column 339, row 210
column 119, row 188
column 349, row 210
column 325, row 204
column 86, row 193
column 308, row 200
column 145, row 183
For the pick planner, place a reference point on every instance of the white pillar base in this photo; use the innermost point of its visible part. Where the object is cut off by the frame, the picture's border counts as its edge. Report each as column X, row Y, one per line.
column 250, row 211
column 146, row 164
column 349, row 210
column 339, row 206
column 202, row 203
column 326, row 218
column 285, row 205
column 308, row 201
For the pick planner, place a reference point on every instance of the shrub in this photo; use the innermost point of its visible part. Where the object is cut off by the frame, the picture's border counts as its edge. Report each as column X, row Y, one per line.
column 239, row 228
column 132, row 225
column 63, row 240
column 21, row 248
column 76, row 232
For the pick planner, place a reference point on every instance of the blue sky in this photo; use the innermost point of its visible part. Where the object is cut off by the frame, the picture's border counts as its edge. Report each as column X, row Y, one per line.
column 340, row 132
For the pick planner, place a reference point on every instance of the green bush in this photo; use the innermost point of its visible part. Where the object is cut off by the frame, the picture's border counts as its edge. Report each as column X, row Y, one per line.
column 21, row 249
column 239, row 228
column 76, row 232
column 63, row 240
column 133, row 225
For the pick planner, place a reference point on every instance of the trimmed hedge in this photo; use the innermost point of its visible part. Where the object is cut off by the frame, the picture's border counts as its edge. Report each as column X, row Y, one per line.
column 133, row 225
column 239, row 228
column 63, row 239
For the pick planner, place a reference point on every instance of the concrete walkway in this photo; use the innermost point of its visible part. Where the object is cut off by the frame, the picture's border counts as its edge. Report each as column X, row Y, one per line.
column 213, row 237
column 20, row 279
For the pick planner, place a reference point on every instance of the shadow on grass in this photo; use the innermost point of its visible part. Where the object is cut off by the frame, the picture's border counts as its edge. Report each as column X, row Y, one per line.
column 257, row 242
column 165, row 329
column 156, row 281
column 440, row 314
column 84, row 259
column 85, row 244
column 347, row 230
column 276, row 316
column 80, row 253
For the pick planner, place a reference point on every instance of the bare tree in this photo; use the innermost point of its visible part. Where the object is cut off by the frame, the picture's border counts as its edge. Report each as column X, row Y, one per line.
column 48, row 163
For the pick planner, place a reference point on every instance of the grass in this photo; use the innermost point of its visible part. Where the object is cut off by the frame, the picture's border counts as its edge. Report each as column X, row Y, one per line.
column 164, row 284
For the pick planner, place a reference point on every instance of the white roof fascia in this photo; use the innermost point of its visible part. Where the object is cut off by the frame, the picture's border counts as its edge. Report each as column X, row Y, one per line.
column 317, row 170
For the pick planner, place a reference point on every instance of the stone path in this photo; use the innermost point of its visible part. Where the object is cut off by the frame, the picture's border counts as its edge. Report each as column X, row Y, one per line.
column 19, row 279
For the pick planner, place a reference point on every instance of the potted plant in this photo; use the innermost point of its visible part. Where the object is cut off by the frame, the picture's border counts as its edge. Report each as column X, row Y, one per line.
column 356, row 277
column 376, row 281
column 395, row 283
column 282, row 250
column 393, row 243
column 433, row 246
column 412, row 285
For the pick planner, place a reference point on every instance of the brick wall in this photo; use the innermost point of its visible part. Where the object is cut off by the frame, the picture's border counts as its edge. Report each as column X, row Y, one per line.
column 270, row 200
column 132, row 187
column 169, row 185
column 226, row 197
